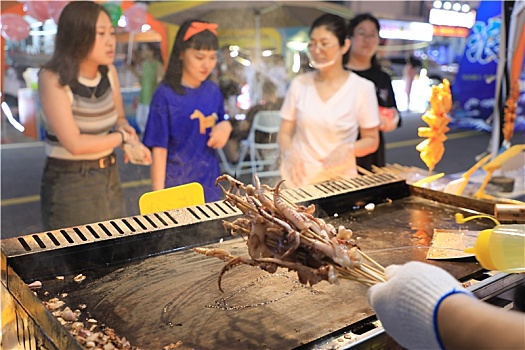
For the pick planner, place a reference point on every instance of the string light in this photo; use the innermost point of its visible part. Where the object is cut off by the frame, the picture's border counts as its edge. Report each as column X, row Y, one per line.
column 447, row 5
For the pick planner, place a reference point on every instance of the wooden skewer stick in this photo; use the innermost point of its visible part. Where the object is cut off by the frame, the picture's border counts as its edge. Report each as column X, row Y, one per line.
column 377, row 170
column 360, row 272
column 335, row 176
column 361, row 280
column 375, row 263
column 373, row 269
column 377, row 276
column 365, row 272
column 364, row 171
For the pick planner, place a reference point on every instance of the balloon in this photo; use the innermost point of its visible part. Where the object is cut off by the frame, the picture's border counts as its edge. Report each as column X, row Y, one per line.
column 54, row 9
column 115, row 11
column 14, row 27
column 37, row 10
column 135, row 17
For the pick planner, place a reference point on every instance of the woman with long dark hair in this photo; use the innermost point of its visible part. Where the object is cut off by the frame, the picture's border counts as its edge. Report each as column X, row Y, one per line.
column 81, row 105
column 186, row 121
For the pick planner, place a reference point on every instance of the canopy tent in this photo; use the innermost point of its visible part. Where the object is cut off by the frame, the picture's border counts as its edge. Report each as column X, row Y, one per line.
column 243, row 17
column 246, row 14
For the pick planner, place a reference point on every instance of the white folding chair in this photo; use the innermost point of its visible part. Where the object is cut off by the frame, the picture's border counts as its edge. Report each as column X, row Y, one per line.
column 226, row 166
column 264, row 155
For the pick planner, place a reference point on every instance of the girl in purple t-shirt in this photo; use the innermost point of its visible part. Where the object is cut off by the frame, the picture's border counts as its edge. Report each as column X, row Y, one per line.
column 186, row 120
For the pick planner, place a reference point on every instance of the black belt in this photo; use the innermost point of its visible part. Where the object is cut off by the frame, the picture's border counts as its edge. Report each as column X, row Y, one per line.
column 101, row 163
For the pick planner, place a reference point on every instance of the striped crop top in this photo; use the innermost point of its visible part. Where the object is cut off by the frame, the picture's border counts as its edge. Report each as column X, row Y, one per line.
column 94, row 112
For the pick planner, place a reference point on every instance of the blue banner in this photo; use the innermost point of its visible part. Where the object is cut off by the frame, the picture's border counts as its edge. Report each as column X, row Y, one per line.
column 474, row 89
column 475, row 85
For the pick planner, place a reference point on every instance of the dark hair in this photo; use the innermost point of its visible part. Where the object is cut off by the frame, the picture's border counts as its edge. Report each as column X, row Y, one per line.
column 354, row 22
column 155, row 48
column 204, row 40
column 334, row 24
column 413, row 61
column 269, row 87
column 74, row 40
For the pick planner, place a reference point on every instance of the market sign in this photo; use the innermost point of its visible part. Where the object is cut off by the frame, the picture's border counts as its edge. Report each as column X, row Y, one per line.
column 418, row 31
column 452, row 18
column 458, row 32
column 474, row 88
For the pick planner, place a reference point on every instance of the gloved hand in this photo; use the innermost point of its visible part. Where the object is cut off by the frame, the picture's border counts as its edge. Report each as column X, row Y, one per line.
column 407, row 303
column 339, row 156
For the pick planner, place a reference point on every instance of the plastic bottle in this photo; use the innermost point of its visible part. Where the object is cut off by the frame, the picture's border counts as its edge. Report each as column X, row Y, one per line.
column 501, row 248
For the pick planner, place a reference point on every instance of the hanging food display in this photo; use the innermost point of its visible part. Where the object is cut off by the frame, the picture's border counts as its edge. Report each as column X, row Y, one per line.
column 432, row 149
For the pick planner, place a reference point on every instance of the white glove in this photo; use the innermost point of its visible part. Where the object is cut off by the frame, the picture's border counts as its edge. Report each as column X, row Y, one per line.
column 407, row 303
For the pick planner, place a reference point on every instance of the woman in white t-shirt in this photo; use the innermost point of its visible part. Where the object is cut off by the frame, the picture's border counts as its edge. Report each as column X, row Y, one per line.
column 324, row 110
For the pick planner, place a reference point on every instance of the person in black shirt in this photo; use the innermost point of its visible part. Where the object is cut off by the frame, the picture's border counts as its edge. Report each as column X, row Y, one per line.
column 363, row 30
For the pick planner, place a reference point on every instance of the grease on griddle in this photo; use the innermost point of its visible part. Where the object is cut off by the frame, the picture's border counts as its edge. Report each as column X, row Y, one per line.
column 222, row 303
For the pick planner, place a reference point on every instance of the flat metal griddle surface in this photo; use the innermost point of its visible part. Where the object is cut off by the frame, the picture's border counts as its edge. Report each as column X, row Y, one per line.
column 175, row 297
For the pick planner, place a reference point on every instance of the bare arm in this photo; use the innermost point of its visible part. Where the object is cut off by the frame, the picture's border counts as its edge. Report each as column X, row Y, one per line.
column 285, row 135
column 122, row 122
column 389, row 118
column 158, row 168
column 160, row 71
column 292, row 162
column 57, row 108
column 368, row 142
column 468, row 323
column 407, row 302
column 220, row 134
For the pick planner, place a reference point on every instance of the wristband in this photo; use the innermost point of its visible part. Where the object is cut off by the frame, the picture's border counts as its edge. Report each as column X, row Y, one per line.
column 438, row 304
column 124, row 136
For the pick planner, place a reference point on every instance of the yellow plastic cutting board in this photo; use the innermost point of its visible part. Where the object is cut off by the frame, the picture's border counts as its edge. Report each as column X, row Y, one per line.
column 171, row 198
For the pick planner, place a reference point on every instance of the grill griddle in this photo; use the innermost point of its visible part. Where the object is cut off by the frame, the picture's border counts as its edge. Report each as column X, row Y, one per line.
column 145, row 281
column 175, row 297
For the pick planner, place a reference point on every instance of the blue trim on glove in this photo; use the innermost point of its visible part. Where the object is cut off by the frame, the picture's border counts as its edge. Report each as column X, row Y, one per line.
column 438, row 304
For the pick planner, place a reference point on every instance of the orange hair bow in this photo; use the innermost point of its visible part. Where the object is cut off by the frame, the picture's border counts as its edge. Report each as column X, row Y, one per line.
column 197, row 27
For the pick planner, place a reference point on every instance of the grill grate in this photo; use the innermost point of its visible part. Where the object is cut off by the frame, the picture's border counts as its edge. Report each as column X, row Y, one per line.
column 113, row 229
column 145, row 235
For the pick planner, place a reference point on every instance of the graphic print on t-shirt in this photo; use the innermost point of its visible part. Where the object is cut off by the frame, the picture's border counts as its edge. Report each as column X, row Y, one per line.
column 204, row 121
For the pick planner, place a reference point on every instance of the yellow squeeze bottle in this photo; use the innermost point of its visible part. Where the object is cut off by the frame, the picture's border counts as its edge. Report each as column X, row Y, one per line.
column 501, row 248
